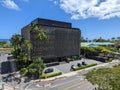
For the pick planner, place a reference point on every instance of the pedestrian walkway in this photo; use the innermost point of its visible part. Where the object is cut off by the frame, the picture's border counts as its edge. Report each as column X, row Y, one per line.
column 7, row 87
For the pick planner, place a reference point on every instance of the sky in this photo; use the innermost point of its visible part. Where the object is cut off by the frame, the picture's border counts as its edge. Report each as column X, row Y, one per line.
column 95, row 18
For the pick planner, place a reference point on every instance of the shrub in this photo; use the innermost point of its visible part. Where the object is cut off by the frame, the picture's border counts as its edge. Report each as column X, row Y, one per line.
column 109, row 60
column 24, row 71
column 51, row 75
column 85, row 66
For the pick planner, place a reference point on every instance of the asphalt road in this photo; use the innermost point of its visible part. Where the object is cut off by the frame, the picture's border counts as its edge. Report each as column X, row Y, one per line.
column 69, row 83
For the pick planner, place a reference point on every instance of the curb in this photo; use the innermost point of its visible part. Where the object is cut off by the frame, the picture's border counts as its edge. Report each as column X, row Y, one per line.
column 49, row 79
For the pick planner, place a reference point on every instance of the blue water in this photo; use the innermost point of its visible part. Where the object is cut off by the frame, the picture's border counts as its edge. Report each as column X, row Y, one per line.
column 6, row 40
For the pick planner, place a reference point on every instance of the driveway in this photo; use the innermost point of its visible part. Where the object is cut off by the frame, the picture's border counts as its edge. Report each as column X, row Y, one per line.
column 65, row 68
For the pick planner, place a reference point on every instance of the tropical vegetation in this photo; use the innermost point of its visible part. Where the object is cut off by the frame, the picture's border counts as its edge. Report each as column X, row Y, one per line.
column 21, row 46
column 105, row 78
column 94, row 51
column 4, row 46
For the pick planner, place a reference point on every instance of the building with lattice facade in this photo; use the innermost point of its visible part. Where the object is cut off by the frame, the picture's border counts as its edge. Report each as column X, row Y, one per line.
column 63, row 40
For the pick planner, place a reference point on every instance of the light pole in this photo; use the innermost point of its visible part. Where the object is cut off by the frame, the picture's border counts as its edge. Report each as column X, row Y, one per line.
column 2, row 84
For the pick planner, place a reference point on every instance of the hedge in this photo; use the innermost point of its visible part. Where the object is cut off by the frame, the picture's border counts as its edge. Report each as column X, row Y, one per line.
column 51, row 75
column 85, row 66
column 109, row 60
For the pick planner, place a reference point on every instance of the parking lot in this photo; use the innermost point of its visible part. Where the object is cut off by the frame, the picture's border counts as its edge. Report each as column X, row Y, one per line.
column 65, row 67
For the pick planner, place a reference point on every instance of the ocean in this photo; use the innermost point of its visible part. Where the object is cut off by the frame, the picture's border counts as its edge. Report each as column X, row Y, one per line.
column 6, row 40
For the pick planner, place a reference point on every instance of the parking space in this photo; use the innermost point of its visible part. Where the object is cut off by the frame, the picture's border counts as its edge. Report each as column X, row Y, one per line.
column 65, row 68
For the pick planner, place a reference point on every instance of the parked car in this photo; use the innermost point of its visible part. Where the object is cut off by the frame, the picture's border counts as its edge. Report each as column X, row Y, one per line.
column 83, row 63
column 72, row 67
column 48, row 70
column 78, row 64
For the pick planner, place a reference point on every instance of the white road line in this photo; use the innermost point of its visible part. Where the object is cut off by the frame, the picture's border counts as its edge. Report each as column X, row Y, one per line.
column 64, row 83
column 38, row 85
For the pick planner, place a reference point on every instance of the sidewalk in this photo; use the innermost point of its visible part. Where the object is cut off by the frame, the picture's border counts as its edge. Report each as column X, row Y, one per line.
column 8, row 87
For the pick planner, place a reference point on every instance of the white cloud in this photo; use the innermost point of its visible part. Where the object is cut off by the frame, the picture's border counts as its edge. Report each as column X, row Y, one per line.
column 10, row 4
column 82, row 9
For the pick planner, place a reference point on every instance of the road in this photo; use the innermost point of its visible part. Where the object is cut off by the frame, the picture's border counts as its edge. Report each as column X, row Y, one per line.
column 69, row 83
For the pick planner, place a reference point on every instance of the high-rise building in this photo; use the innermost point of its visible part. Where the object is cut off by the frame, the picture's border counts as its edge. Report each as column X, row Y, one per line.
column 63, row 40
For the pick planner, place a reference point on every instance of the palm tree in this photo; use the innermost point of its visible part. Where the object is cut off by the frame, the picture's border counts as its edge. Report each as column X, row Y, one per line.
column 113, row 39
column 39, row 65
column 16, row 41
column 27, row 44
column 19, row 45
column 41, row 34
column 36, row 67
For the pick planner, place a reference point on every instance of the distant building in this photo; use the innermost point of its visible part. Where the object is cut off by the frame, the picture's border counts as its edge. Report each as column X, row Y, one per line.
column 95, row 44
column 64, row 41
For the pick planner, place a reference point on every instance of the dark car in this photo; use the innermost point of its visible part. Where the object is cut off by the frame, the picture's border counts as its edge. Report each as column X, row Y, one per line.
column 72, row 68
column 78, row 64
column 49, row 70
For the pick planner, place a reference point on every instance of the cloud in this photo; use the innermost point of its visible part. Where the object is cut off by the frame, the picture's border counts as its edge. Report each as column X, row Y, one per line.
column 82, row 9
column 10, row 4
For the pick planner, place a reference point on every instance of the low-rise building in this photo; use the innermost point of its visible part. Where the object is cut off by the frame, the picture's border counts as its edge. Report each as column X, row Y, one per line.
column 63, row 40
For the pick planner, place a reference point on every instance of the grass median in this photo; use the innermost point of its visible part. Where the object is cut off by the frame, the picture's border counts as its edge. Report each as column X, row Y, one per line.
column 50, row 75
column 85, row 66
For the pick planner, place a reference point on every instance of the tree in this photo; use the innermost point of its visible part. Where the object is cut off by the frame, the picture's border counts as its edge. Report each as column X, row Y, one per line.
column 27, row 44
column 19, row 47
column 32, row 69
column 87, row 51
column 118, row 38
column 41, row 34
column 87, row 40
column 82, row 39
column 16, row 41
column 113, row 39
column 37, row 67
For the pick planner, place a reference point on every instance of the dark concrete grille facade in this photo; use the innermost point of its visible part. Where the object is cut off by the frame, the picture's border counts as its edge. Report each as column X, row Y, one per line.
column 63, row 40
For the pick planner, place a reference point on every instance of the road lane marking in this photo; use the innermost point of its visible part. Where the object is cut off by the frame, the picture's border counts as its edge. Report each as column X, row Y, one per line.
column 64, row 83
column 74, row 85
column 38, row 85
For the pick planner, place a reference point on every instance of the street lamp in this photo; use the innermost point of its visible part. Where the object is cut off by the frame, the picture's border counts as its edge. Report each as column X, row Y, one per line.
column 2, row 86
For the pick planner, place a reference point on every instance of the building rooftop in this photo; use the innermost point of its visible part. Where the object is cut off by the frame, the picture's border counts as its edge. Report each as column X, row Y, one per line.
column 94, row 44
column 52, row 23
